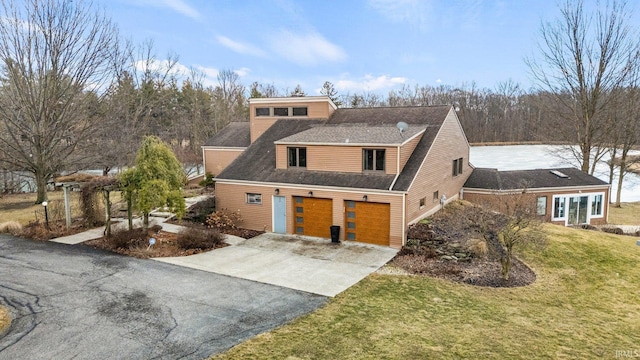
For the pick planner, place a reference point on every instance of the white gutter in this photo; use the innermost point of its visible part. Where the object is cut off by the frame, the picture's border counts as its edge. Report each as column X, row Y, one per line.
column 307, row 187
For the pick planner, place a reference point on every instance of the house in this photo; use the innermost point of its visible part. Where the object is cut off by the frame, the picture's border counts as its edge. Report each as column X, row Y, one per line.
column 564, row 196
column 308, row 165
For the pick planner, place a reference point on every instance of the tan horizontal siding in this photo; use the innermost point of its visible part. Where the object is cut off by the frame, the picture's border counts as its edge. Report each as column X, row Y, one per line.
column 436, row 171
column 260, row 124
column 407, row 149
column 233, row 198
column 216, row 160
column 281, row 157
column 259, row 217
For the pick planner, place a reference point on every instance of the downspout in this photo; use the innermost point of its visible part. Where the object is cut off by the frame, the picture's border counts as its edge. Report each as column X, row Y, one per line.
column 404, row 219
column 204, row 162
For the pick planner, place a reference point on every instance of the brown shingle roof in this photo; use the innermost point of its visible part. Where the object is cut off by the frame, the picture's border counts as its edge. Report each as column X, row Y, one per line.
column 353, row 134
column 422, row 115
column 235, row 134
column 492, row 179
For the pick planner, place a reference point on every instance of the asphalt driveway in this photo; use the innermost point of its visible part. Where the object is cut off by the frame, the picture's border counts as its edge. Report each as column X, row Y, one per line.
column 77, row 302
column 302, row 263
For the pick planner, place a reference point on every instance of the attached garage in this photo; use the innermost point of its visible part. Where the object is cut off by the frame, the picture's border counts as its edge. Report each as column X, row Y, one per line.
column 312, row 216
column 367, row 222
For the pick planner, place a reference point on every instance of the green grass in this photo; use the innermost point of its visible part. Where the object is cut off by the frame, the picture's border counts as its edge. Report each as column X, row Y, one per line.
column 584, row 304
column 626, row 214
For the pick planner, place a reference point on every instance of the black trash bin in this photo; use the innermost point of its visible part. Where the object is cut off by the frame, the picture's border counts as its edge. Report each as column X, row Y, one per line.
column 335, row 233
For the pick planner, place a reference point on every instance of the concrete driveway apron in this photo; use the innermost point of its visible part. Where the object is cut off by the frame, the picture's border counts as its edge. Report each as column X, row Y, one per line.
column 303, row 263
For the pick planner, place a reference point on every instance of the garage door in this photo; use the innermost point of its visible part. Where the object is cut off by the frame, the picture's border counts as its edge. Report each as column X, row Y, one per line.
column 367, row 222
column 312, row 216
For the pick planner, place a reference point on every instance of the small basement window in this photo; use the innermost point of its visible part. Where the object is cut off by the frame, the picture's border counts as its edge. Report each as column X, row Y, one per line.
column 253, row 198
column 262, row 111
column 422, row 202
column 436, row 196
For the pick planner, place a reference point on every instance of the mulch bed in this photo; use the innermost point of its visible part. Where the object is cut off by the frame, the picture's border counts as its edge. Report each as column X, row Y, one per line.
column 479, row 272
column 165, row 246
column 439, row 248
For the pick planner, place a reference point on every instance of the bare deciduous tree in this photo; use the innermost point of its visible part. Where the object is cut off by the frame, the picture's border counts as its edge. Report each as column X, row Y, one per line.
column 56, row 57
column 583, row 58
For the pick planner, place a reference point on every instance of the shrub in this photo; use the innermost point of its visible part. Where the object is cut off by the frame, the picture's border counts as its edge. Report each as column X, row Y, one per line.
column 11, row 227
column 192, row 238
column 124, row 238
column 201, row 209
column 207, row 181
column 224, row 220
column 477, row 247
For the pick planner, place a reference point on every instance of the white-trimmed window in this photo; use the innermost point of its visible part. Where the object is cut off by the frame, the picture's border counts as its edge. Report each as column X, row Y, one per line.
column 596, row 204
column 559, row 207
column 253, row 198
column 542, row 205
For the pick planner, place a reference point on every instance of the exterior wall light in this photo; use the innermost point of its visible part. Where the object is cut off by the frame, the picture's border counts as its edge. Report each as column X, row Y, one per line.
column 365, row 198
column 277, row 191
column 310, row 194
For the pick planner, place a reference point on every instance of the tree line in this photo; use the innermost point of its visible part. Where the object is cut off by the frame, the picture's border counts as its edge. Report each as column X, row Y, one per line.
column 74, row 95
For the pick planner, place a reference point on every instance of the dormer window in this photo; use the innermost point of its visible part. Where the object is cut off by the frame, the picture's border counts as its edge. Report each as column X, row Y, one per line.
column 281, row 111
column 373, row 159
column 300, row 111
column 262, row 111
column 297, row 157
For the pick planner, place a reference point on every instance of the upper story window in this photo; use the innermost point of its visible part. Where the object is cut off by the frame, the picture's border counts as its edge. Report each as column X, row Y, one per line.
column 281, row 111
column 373, row 159
column 262, row 111
column 457, row 167
column 297, row 157
column 300, row 111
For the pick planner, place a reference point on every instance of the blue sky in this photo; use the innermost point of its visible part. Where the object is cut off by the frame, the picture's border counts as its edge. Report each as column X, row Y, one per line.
column 358, row 45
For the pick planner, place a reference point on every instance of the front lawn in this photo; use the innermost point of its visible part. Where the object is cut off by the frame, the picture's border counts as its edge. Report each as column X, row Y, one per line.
column 584, row 304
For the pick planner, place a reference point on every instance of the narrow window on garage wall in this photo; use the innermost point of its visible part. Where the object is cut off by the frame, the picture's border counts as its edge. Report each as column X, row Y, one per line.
column 459, row 166
column 436, row 196
column 253, row 198
column 542, row 205
column 422, row 202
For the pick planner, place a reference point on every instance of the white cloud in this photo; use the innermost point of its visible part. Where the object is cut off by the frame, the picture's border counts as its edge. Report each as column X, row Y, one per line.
column 439, row 81
column 414, row 12
column 179, row 6
column 306, row 49
column 370, row 83
column 243, row 71
column 239, row 47
column 162, row 67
